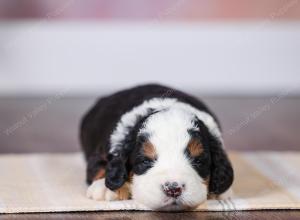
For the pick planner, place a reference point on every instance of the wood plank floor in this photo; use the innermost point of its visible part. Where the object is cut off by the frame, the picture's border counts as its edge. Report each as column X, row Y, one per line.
column 50, row 124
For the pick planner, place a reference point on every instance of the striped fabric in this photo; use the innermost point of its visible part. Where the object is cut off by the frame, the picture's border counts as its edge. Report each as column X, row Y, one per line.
column 55, row 183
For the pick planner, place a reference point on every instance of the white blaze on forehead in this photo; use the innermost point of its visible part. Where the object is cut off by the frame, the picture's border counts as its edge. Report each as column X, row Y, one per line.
column 169, row 130
column 181, row 109
column 130, row 118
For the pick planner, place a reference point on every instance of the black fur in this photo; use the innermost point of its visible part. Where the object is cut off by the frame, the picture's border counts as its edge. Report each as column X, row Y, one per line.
column 98, row 124
column 116, row 173
column 221, row 172
column 118, row 167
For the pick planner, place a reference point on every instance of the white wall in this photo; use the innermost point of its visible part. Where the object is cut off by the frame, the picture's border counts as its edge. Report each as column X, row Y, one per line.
column 41, row 57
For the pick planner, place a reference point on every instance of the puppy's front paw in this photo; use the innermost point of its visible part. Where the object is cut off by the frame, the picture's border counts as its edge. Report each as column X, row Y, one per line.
column 98, row 191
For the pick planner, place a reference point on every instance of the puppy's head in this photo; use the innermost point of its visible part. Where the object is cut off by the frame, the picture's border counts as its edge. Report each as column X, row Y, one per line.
column 176, row 162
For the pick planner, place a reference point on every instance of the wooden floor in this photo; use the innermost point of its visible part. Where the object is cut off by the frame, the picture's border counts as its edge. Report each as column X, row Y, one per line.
column 50, row 124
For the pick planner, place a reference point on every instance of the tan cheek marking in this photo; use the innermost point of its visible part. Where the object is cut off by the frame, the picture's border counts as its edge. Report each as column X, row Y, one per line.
column 124, row 192
column 100, row 174
column 210, row 195
column 206, row 182
column 149, row 150
column 195, row 148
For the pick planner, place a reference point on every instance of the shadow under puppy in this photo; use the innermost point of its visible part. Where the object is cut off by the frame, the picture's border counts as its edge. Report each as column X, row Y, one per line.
column 157, row 145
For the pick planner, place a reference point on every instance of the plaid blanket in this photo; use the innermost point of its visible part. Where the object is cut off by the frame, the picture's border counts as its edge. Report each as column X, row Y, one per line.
column 56, row 183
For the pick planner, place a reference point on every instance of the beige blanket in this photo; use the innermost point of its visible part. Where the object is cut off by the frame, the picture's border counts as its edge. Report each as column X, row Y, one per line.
column 56, row 183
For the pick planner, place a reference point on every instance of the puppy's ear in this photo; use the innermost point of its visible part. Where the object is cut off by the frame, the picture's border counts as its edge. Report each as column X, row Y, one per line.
column 221, row 176
column 221, row 173
column 118, row 166
column 116, row 173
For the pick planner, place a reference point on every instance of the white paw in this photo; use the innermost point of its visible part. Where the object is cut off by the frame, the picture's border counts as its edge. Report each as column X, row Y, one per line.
column 98, row 191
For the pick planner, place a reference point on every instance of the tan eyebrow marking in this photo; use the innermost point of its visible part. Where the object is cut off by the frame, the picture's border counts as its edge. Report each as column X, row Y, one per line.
column 149, row 150
column 195, row 147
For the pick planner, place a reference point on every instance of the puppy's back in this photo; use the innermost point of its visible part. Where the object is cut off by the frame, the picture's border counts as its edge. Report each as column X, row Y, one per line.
column 100, row 121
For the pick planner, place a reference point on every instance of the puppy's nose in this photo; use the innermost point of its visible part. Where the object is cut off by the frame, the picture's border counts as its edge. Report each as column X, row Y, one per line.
column 172, row 189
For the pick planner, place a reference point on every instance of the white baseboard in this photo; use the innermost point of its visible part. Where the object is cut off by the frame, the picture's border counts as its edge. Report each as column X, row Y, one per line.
column 41, row 57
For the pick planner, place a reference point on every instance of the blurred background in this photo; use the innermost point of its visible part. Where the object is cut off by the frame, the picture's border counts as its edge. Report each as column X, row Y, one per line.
column 57, row 56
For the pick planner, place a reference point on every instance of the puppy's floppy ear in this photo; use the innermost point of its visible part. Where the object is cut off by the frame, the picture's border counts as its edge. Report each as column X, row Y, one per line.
column 116, row 172
column 221, row 174
column 118, row 165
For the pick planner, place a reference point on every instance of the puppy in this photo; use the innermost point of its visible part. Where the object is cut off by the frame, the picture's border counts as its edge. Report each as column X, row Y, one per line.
column 157, row 145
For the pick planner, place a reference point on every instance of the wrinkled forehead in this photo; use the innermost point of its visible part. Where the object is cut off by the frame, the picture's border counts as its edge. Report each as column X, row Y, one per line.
column 169, row 129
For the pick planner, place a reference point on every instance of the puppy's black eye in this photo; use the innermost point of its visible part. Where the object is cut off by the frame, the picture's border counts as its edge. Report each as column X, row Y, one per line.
column 146, row 162
column 197, row 162
column 142, row 166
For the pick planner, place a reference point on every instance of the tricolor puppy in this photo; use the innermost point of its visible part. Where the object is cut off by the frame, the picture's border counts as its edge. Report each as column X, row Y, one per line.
column 157, row 145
